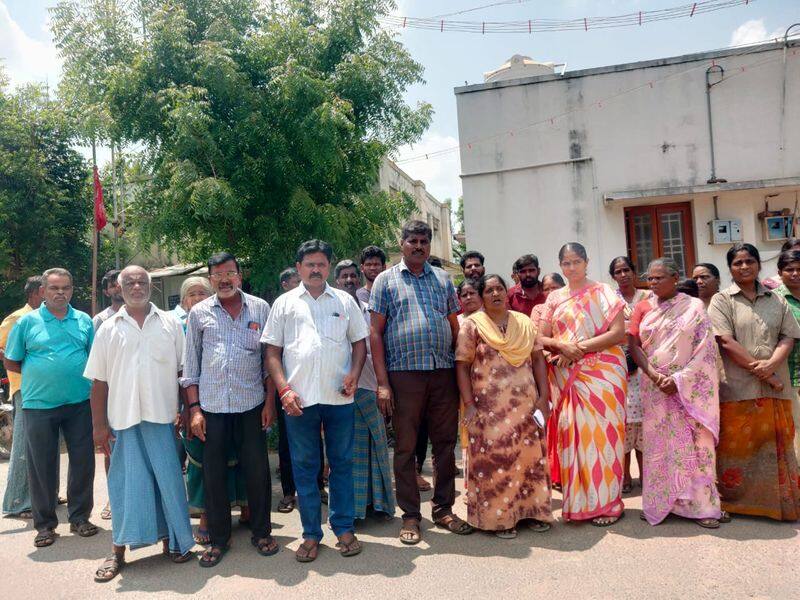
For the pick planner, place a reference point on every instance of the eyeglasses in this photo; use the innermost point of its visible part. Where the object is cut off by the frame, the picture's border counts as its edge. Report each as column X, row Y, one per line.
column 129, row 285
column 223, row 275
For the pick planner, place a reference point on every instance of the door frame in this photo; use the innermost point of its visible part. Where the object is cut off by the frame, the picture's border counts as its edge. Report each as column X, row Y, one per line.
column 655, row 210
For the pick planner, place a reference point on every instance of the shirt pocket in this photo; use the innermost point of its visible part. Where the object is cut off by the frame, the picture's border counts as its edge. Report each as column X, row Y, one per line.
column 334, row 327
column 250, row 340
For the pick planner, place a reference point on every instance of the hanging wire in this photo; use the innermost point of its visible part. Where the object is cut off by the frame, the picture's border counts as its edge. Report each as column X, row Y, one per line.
column 544, row 25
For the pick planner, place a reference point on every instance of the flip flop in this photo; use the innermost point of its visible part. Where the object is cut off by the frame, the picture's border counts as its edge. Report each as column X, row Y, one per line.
column 307, row 558
column 286, row 506
column 506, row 534
column 539, row 526
column 202, row 537
column 264, row 545
column 350, row 548
column 213, row 556
column 110, row 568
column 454, row 524
column 617, row 519
column 708, row 523
column 410, row 533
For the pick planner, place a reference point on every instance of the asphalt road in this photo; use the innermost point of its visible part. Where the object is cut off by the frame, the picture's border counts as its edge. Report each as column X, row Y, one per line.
column 748, row 558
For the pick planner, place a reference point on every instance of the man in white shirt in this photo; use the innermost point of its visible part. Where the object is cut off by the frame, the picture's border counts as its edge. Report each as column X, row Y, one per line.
column 134, row 363
column 372, row 472
column 316, row 348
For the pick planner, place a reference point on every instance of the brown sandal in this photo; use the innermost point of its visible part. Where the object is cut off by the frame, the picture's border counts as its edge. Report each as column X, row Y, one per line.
column 109, row 569
column 410, row 533
column 45, row 538
column 454, row 524
column 310, row 550
column 350, row 548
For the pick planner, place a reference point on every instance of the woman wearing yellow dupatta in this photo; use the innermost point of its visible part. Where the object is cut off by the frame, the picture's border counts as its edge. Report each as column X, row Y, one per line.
column 502, row 379
column 583, row 326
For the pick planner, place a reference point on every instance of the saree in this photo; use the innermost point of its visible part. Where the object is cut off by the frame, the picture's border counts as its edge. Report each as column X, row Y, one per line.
column 591, row 404
column 758, row 473
column 682, row 429
column 507, row 480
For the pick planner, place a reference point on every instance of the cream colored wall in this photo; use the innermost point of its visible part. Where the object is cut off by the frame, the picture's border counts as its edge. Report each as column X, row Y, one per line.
column 391, row 177
column 648, row 139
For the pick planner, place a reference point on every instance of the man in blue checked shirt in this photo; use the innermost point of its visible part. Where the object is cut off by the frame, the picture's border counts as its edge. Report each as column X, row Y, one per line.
column 413, row 329
column 230, row 403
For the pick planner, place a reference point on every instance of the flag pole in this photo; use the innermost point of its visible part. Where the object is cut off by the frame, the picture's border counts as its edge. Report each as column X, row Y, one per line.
column 95, row 233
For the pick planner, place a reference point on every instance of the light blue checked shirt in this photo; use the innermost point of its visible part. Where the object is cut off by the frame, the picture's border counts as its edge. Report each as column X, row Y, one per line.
column 417, row 335
column 224, row 356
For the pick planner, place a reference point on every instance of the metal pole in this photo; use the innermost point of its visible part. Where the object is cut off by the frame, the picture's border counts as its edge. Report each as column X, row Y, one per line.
column 709, row 85
column 95, row 233
column 114, row 200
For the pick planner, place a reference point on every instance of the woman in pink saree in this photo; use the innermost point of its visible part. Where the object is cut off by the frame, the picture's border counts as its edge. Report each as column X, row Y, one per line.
column 582, row 327
column 671, row 340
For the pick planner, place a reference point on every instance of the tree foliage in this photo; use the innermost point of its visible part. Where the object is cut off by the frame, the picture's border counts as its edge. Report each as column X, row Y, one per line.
column 45, row 203
column 262, row 124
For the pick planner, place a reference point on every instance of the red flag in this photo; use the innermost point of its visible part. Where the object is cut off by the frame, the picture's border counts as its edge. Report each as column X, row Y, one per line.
column 100, row 218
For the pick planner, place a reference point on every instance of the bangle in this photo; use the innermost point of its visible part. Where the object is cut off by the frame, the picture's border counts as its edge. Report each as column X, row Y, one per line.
column 193, row 404
column 285, row 393
column 283, row 390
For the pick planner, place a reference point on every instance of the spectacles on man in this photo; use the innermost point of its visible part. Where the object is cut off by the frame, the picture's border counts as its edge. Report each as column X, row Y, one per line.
column 223, row 275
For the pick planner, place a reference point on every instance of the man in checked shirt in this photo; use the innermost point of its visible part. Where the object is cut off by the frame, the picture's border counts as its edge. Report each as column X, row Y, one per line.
column 230, row 402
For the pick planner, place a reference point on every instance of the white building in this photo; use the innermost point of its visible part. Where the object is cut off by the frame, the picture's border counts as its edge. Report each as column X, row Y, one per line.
column 620, row 157
column 436, row 214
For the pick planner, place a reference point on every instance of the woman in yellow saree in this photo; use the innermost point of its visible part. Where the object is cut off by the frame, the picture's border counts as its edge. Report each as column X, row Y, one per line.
column 583, row 327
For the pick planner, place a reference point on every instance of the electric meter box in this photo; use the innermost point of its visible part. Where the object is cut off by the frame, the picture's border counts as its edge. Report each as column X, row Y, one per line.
column 726, row 231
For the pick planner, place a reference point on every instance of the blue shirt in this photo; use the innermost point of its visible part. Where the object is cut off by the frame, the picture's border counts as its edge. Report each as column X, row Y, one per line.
column 224, row 356
column 53, row 353
column 417, row 336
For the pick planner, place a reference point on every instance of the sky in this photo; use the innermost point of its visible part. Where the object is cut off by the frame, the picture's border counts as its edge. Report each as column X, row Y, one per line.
column 453, row 59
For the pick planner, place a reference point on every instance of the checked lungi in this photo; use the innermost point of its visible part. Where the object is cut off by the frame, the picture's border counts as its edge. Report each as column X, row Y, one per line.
column 372, row 474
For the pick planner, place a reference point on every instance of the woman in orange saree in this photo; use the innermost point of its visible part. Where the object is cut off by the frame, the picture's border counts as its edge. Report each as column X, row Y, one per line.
column 582, row 326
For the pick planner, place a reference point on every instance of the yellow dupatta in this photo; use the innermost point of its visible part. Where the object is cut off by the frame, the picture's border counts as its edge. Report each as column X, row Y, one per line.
column 517, row 343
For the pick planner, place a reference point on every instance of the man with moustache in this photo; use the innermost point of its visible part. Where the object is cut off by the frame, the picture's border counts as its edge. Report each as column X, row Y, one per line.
column 373, row 263
column 315, row 352
column 472, row 265
column 523, row 296
column 414, row 327
column 231, row 403
column 372, row 476
column 111, row 290
column 49, row 347
column 134, row 364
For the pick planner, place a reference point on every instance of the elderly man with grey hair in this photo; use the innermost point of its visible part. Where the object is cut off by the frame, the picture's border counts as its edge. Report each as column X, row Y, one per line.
column 49, row 347
column 134, row 367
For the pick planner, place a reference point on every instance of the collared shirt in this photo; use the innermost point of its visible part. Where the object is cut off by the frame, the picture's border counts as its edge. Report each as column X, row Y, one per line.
column 140, row 365
column 14, row 379
column 758, row 326
column 316, row 337
column 794, row 357
column 368, row 380
column 224, row 355
column 53, row 354
column 362, row 294
column 518, row 301
column 417, row 336
column 103, row 316
column 181, row 315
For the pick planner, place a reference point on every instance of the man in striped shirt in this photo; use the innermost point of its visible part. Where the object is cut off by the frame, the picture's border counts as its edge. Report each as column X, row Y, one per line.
column 230, row 403
column 414, row 327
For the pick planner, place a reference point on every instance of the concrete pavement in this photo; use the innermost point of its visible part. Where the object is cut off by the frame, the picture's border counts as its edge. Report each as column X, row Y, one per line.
column 746, row 558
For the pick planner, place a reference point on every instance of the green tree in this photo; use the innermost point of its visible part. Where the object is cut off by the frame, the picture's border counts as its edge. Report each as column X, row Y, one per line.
column 263, row 125
column 45, row 199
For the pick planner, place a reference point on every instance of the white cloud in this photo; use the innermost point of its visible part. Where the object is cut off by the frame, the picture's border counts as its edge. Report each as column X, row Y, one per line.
column 440, row 173
column 26, row 59
column 753, row 32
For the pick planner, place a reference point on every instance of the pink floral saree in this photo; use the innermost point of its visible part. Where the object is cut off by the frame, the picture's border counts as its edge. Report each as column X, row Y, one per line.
column 681, row 430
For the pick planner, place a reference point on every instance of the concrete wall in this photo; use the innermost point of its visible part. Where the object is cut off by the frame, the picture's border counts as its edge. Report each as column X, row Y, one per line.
column 428, row 209
column 534, row 187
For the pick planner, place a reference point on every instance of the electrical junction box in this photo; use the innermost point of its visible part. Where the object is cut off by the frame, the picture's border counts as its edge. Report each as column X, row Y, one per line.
column 726, row 231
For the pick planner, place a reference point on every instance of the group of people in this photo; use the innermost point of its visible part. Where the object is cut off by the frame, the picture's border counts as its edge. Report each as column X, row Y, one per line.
column 553, row 382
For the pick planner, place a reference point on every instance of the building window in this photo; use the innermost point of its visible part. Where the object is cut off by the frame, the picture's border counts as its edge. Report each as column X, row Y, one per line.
column 660, row 231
